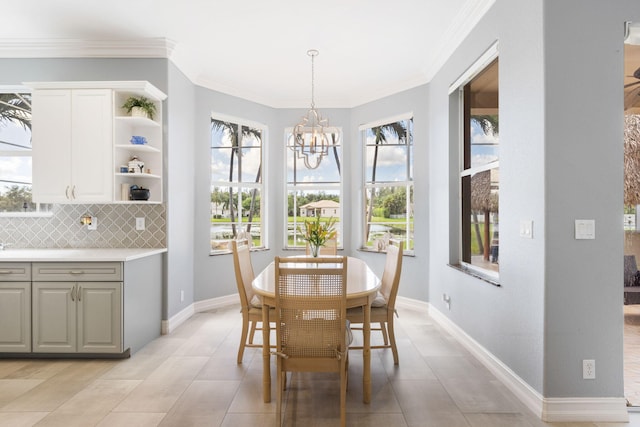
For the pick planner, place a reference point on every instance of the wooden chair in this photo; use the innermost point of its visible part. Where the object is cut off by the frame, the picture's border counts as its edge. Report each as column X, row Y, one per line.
column 330, row 247
column 251, row 306
column 311, row 327
column 383, row 307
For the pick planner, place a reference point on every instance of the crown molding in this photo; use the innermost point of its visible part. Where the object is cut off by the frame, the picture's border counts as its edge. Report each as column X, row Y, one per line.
column 468, row 17
column 79, row 48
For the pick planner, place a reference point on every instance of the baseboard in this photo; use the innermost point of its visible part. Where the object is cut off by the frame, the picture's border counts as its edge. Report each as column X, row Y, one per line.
column 601, row 409
column 214, row 303
column 176, row 320
column 412, row 304
column 547, row 409
column 197, row 307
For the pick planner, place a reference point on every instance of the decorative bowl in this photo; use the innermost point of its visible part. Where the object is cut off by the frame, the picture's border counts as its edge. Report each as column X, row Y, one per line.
column 138, row 140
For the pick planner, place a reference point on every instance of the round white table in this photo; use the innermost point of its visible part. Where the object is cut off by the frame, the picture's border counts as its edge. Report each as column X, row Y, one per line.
column 362, row 285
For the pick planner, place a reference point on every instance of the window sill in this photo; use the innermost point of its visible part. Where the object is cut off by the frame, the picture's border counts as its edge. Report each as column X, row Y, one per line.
column 478, row 274
column 228, row 252
column 375, row 251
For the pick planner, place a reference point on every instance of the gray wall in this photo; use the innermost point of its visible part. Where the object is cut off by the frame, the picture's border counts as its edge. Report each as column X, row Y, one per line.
column 560, row 159
column 180, row 191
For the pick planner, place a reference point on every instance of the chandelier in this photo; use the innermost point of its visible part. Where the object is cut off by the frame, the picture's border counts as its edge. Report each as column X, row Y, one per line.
column 311, row 135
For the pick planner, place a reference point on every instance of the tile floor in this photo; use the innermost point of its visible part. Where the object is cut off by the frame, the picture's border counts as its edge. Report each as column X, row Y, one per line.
column 190, row 378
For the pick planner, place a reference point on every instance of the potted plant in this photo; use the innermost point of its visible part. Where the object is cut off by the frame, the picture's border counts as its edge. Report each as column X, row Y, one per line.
column 317, row 233
column 139, row 106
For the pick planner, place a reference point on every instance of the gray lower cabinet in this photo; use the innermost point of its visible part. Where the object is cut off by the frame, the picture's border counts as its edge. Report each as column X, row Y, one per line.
column 15, row 307
column 77, row 316
column 79, row 308
column 82, row 317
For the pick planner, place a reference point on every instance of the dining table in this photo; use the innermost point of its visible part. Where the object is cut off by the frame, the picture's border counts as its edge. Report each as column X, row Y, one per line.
column 362, row 286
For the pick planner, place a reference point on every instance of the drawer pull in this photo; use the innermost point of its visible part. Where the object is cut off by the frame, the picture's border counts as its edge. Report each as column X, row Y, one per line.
column 76, row 272
column 5, row 271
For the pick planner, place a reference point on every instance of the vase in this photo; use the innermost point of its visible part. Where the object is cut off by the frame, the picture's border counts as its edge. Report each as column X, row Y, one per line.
column 139, row 112
column 314, row 249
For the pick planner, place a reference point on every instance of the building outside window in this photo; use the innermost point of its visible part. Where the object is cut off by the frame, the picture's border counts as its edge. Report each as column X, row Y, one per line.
column 312, row 192
column 480, row 172
column 388, row 184
column 15, row 155
column 236, row 183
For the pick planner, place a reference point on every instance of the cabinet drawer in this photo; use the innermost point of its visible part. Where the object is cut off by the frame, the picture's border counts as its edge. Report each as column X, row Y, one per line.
column 77, row 271
column 15, row 272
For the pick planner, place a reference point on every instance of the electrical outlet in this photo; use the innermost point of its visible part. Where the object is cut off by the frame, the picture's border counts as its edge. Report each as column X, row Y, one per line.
column 447, row 300
column 589, row 369
column 94, row 223
column 140, row 224
column 181, row 296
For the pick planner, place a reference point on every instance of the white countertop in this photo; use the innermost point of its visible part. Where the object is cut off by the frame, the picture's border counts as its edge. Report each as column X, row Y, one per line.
column 77, row 255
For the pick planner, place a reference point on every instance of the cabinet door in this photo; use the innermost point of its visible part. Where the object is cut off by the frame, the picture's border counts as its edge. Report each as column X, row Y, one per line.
column 92, row 145
column 15, row 317
column 51, row 141
column 54, row 317
column 99, row 317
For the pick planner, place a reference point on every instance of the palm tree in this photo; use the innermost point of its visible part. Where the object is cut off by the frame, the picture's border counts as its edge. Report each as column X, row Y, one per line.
column 381, row 133
column 481, row 197
column 16, row 107
column 232, row 131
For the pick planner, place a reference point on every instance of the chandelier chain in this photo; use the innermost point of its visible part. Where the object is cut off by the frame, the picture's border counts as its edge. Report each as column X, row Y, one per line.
column 313, row 54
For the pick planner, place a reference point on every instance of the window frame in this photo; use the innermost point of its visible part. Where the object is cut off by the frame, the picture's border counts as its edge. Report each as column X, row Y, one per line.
column 239, row 184
column 4, row 89
column 457, row 90
column 409, row 184
column 311, row 187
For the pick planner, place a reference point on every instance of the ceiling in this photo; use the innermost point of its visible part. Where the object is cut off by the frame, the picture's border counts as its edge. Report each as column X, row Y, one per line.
column 256, row 49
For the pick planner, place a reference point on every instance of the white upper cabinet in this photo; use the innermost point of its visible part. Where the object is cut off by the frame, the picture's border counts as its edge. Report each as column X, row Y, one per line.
column 72, row 134
column 82, row 138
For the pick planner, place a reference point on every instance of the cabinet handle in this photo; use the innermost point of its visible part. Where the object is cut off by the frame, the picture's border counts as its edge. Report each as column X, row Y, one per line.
column 76, row 272
column 66, row 192
column 79, row 294
column 73, row 293
column 5, row 271
column 73, row 192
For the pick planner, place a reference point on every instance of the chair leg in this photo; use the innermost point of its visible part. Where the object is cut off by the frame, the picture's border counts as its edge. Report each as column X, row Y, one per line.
column 279, row 392
column 392, row 338
column 343, row 394
column 243, row 339
column 253, row 332
column 383, row 329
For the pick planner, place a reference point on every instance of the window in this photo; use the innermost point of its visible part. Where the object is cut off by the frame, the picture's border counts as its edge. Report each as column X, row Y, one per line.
column 313, row 192
column 236, row 183
column 480, row 171
column 388, row 205
column 15, row 154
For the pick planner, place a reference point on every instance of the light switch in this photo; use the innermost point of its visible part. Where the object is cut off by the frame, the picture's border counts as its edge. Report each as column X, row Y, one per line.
column 585, row 229
column 526, row 229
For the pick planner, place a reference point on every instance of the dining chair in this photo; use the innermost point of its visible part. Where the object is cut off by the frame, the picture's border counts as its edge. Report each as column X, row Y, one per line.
column 383, row 306
column 330, row 247
column 311, row 326
column 250, row 303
